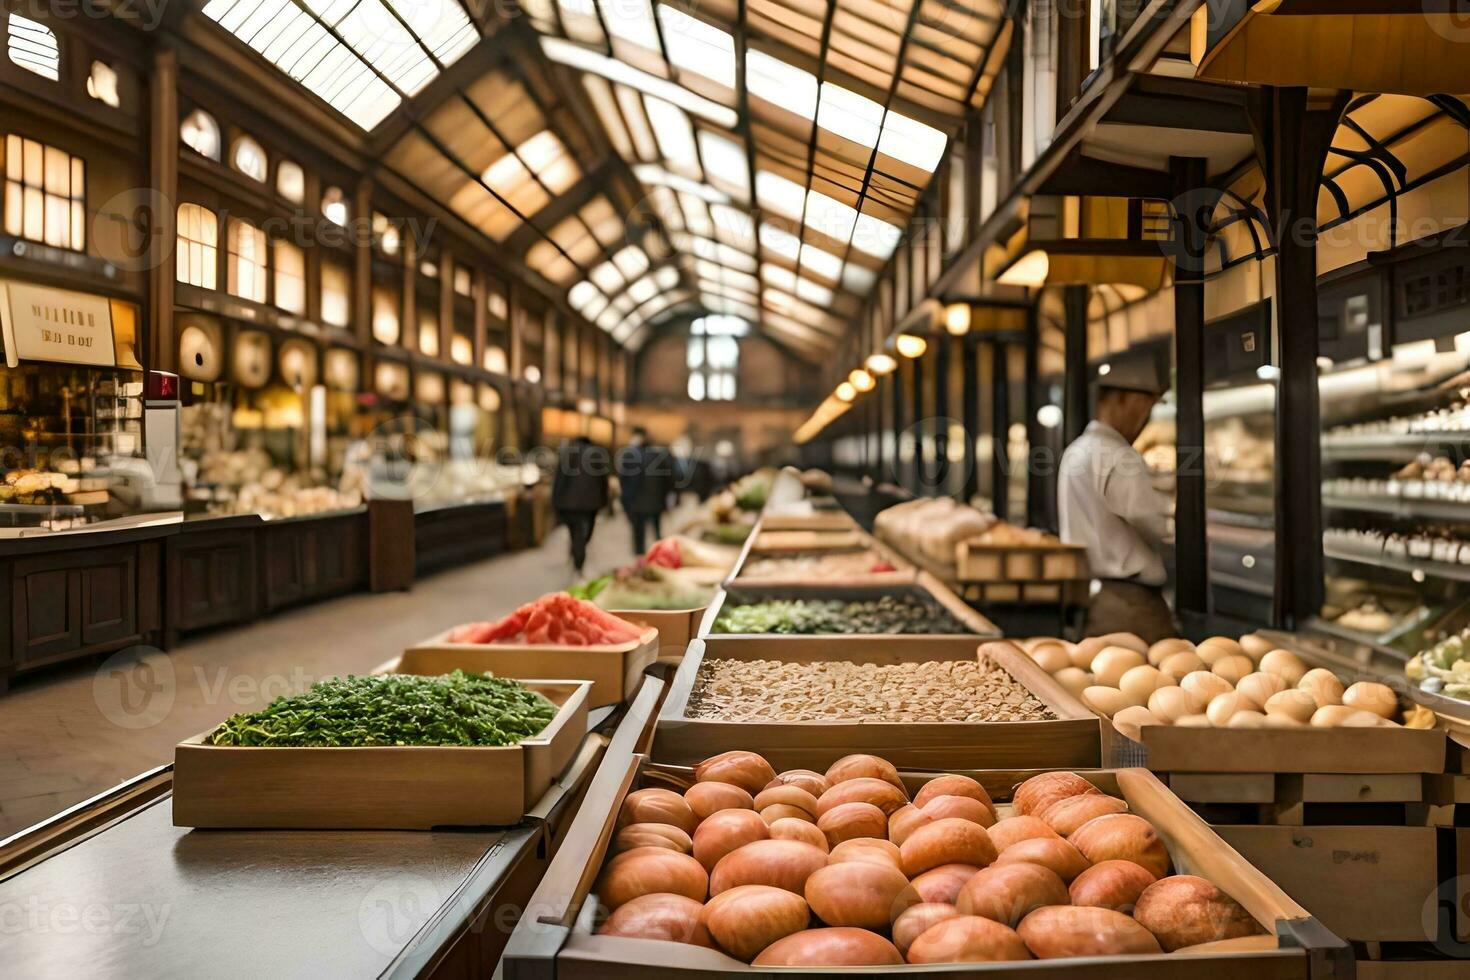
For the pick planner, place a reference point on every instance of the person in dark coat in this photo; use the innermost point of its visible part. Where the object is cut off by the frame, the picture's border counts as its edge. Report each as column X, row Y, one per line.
column 579, row 491
column 645, row 478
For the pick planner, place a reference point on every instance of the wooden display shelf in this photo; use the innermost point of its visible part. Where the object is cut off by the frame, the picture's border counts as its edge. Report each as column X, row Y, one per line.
column 776, row 541
column 416, row 787
column 817, row 521
column 559, row 941
column 676, row 627
column 615, row 670
column 1070, row 740
column 981, row 563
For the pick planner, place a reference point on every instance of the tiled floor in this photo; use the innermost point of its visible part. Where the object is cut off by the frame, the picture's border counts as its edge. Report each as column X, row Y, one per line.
column 69, row 735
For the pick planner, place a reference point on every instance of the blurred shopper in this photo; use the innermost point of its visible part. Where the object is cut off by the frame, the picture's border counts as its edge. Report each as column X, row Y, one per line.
column 579, row 491
column 645, row 478
column 1107, row 503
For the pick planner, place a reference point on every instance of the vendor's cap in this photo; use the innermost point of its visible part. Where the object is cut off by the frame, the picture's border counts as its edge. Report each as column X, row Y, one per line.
column 1131, row 374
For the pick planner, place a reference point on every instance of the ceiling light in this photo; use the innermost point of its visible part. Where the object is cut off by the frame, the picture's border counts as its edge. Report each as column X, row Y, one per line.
column 845, row 392
column 880, row 364
column 911, row 345
column 1050, row 416
column 957, row 319
column 862, row 380
column 1030, row 270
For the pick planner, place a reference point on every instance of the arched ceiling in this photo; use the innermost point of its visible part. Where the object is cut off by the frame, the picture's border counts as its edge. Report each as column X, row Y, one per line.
column 760, row 158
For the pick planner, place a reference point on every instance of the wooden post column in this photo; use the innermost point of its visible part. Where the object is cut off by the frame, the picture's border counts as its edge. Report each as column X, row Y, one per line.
column 1191, row 551
column 1292, row 138
column 1075, row 408
column 1000, row 423
column 970, row 386
column 1036, row 507
column 161, row 352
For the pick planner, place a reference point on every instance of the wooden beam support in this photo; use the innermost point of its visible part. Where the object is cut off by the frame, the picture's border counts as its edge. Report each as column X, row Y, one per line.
column 161, row 351
column 1292, row 139
column 1191, row 552
column 1076, row 407
column 1036, row 488
column 1000, row 422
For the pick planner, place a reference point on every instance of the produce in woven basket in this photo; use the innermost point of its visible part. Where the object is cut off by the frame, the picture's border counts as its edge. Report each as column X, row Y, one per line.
column 958, row 889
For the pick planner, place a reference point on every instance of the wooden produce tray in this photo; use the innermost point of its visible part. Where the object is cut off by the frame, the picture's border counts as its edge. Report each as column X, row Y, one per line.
column 816, row 521
column 763, row 540
column 615, row 670
column 924, row 585
column 676, row 627
column 976, row 561
column 1071, row 740
column 378, row 787
column 558, row 941
column 904, row 573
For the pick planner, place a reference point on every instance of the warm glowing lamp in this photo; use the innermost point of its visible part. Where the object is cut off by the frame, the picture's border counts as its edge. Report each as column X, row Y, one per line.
column 911, row 345
column 861, row 380
column 880, row 364
column 957, row 319
column 845, row 392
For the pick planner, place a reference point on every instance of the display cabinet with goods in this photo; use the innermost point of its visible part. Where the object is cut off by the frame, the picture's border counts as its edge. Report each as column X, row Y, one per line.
column 72, row 418
column 1295, row 756
column 925, row 608
column 833, row 859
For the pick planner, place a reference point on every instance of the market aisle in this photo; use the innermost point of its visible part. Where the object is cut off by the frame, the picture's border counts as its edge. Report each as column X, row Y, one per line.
column 69, row 735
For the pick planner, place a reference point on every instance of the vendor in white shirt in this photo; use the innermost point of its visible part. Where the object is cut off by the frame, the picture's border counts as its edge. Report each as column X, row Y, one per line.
column 1108, row 504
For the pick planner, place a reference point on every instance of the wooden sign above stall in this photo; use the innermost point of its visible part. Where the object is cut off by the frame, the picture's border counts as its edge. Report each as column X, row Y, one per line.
column 41, row 323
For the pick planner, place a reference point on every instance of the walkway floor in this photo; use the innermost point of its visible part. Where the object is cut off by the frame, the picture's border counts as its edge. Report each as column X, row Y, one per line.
column 68, row 735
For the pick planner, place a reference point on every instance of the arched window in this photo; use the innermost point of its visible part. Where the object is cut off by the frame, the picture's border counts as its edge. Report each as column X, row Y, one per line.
column 291, row 181
column 45, row 192
column 247, row 269
column 200, row 133
column 336, row 294
column 385, row 316
column 32, row 46
column 196, row 258
column 334, row 206
column 248, row 157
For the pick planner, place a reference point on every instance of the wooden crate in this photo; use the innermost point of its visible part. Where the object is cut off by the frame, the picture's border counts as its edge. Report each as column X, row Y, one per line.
column 1171, row 749
column 904, row 573
column 815, row 521
column 977, row 561
column 558, row 942
column 1297, row 799
column 806, row 540
column 676, row 627
column 615, row 670
column 1071, row 740
column 1368, row 884
column 924, row 586
column 377, row 787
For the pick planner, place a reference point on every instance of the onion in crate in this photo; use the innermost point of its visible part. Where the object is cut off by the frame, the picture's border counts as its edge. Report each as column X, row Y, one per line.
column 658, row 806
column 857, row 893
column 1052, row 853
column 652, row 835
column 1110, row 885
column 952, row 785
column 790, row 828
column 851, row 821
column 949, row 841
column 1186, row 910
column 917, row 919
column 813, row 782
column 1008, row 893
column 1125, row 837
column 707, row 798
column 843, row 946
column 944, row 883
column 967, row 939
column 671, row 918
column 864, row 766
column 747, row 770
column 747, row 919
column 1063, row 930
column 863, row 789
column 727, row 831
column 1065, row 816
column 780, row 863
column 1039, row 792
column 649, row 871
column 1012, row 829
column 872, row 849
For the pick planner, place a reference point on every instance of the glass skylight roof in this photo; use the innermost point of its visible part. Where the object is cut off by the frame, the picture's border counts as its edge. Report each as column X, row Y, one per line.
column 363, row 57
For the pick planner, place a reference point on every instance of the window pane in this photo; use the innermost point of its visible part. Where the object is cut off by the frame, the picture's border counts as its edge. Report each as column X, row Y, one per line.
column 336, row 290
column 290, row 278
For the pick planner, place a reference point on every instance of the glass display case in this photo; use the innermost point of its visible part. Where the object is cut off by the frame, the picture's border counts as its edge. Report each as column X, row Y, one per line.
column 1396, row 498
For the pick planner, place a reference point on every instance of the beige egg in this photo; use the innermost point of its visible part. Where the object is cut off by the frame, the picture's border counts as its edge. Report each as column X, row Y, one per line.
column 1164, row 649
column 1176, row 665
column 1255, row 646
column 1283, row 721
column 1169, row 704
column 1223, row 707
column 1233, row 669
column 1291, row 703
column 1110, row 665
column 1051, row 657
column 1131, row 641
column 1230, row 646
column 1334, row 715
column 1083, row 652
column 1206, row 685
column 1364, row 719
column 1212, row 650
column 1246, row 719
column 1141, row 681
column 1193, row 721
column 1260, row 687
column 1323, row 685
column 1130, row 720
column 1372, row 696
column 1106, row 700
column 1074, row 679
column 1285, row 664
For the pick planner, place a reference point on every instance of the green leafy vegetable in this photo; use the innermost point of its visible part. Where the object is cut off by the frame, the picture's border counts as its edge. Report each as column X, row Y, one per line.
column 890, row 614
column 395, row 709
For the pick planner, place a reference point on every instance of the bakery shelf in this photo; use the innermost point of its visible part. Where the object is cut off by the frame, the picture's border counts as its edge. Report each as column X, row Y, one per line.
column 1402, row 507
column 1388, row 446
column 1431, row 569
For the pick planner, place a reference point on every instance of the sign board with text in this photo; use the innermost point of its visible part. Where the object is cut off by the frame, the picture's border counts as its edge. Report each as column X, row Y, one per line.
column 45, row 324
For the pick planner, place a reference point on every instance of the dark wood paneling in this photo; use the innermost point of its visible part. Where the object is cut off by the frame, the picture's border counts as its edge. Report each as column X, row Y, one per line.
column 454, row 535
column 302, row 561
column 211, row 579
